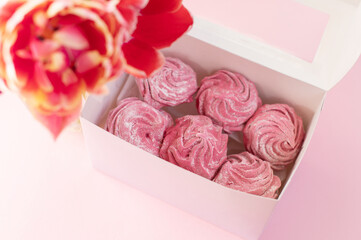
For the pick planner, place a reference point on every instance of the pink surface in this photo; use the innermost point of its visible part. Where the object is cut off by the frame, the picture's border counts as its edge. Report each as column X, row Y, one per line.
column 285, row 24
column 56, row 194
column 50, row 190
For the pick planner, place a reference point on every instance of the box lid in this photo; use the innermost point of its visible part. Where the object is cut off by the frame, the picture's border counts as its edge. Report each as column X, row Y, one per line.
column 316, row 41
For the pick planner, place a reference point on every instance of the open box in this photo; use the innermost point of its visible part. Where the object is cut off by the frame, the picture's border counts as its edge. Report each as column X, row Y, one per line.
column 279, row 77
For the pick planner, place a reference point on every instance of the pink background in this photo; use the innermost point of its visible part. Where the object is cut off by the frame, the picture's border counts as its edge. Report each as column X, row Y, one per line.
column 48, row 190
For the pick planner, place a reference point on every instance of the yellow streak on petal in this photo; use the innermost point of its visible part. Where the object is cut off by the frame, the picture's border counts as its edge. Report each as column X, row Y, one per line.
column 47, row 101
column 55, row 62
column 34, row 99
column 101, row 6
column 40, row 19
column 20, row 13
column 72, row 38
column 69, row 77
column 54, row 115
column 87, row 61
column 108, row 67
column 57, row 7
column 24, row 54
column 11, row 78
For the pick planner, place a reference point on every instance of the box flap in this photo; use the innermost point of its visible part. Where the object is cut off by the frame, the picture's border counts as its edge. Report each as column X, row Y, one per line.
column 334, row 39
column 285, row 24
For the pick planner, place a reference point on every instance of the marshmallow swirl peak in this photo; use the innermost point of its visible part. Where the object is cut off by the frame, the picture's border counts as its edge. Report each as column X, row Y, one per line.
column 229, row 99
column 139, row 124
column 173, row 84
column 195, row 144
column 247, row 173
column 275, row 134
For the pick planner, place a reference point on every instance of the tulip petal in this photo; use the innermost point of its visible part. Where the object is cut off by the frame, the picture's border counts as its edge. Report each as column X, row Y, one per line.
column 87, row 61
column 69, row 19
column 162, row 30
column 8, row 10
column 40, row 19
column 41, row 49
column 94, row 78
column 71, row 37
column 24, row 73
column 161, row 6
column 57, row 122
column 69, row 77
column 55, row 62
column 56, row 7
column 53, row 51
column 141, row 59
column 133, row 3
column 26, row 54
column 42, row 79
column 97, row 38
column 130, row 16
column 18, row 42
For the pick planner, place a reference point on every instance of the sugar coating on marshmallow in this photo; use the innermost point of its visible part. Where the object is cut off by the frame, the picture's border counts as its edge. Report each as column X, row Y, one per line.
column 195, row 144
column 228, row 98
column 275, row 134
column 173, row 84
column 139, row 123
column 248, row 173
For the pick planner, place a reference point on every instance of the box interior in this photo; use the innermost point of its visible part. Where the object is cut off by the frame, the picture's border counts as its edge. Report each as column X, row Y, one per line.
column 205, row 59
column 237, row 212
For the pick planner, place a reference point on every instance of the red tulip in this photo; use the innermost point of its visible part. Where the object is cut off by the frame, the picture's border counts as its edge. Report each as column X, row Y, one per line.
column 52, row 51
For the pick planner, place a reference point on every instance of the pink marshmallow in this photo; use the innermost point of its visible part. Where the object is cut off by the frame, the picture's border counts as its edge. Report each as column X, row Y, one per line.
column 247, row 173
column 229, row 99
column 275, row 134
column 139, row 124
column 173, row 84
column 195, row 144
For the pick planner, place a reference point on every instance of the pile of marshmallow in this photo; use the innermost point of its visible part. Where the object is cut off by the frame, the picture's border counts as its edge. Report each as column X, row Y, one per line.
column 226, row 102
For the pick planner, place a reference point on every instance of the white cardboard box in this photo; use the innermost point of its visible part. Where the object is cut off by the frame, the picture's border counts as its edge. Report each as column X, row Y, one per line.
column 279, row 77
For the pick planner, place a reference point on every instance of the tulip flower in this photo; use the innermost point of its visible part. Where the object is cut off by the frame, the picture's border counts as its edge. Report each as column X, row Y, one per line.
column 53, row 51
